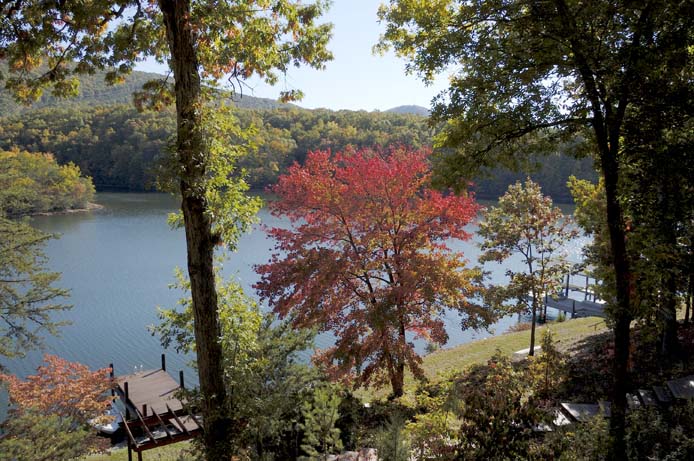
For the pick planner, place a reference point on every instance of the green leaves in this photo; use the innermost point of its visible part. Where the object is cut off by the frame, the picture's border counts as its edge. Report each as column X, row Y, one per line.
column 47, row 44
column 27, row 295
column 321, row 437
column 230, row 209
column 35, row 183
column 525, row 223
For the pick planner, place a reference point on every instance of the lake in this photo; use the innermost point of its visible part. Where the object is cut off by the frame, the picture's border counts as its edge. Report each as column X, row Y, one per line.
column 118, row 263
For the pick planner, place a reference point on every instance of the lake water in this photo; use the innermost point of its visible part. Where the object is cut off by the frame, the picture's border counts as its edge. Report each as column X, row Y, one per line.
column 118, row 263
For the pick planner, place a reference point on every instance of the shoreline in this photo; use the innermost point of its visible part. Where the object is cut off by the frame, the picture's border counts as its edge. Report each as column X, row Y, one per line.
column 91, row 206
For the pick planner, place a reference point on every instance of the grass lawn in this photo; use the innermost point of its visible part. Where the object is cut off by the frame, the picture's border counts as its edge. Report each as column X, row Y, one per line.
column 457, row 358
column 167, row 453
column 478, row 352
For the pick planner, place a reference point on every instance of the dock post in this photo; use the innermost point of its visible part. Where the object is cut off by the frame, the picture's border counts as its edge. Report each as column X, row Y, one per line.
column 163, row 362
column 573, row 309
column 144, row 410
column 585, row 298
column 180, row 378
column 127, row 397
column 568, row 276
column 111, row 375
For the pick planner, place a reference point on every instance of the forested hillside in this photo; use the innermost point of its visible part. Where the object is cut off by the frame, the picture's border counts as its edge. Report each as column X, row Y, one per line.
column 118, row 147
column 93, row 91
column 102, row 133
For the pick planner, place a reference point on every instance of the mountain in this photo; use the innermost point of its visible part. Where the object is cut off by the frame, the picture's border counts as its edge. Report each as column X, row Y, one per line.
column 95, row 92
column 416, row 110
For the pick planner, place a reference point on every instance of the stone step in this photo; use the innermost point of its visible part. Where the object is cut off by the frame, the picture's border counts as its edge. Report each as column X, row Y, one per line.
column 647, row 397
column 662, row 394
column 682, row 388
column 633, row 401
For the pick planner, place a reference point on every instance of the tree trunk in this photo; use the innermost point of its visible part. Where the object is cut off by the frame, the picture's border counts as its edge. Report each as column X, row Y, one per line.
column 669, row 346
column 200, row 241
column 622, row 315
column 532, row 328
column 690, row 295
column 397, row 379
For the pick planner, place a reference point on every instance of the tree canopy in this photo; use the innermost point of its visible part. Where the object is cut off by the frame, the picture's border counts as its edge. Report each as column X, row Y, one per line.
column 368, row 259
column 525, row 223
column 49, row 45
column 34, row 183
column 532, row 73
column 28, row 298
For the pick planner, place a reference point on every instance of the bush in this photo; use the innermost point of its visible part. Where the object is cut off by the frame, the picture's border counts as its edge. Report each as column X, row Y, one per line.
column 320, row 414
column 497, row 411
column 521, row 326
column 34, row 436
column 390, row 441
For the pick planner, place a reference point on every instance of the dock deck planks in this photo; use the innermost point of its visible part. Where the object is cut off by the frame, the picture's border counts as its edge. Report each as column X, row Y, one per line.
column 154, row 388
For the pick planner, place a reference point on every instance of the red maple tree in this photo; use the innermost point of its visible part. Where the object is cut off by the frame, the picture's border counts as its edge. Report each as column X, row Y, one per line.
column 367, row 258
column 63, row 388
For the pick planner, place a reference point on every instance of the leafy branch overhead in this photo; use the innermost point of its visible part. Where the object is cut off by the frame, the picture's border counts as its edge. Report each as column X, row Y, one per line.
column 28, row 298
column 51, row 45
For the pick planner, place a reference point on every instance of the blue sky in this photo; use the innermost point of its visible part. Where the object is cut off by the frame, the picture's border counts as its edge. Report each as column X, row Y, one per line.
column 355, row 79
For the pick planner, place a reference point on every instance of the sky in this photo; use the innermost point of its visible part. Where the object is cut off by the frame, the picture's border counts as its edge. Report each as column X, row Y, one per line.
column 356, row 79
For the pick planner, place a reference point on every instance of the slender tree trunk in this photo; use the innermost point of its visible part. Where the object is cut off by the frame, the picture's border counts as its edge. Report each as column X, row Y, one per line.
column 533, row 321
column 669, row 346
column 200, row 241
column 690, row 295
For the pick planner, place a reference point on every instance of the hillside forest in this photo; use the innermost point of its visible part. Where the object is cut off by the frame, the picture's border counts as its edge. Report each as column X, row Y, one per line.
column 120, row 148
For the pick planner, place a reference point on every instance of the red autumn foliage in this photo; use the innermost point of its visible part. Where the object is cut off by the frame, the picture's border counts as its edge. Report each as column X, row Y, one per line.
column 367, row 258
column 63, row 388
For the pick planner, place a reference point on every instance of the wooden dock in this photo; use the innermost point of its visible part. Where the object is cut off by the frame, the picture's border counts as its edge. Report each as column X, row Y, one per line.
column 154, row 415
column 575, row 307
column 150, row 391
column 578, row 297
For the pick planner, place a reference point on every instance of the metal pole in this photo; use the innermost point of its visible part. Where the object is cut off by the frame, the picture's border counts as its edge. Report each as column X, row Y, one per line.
column 180, row 378
column 163, row 362
column 573, row 309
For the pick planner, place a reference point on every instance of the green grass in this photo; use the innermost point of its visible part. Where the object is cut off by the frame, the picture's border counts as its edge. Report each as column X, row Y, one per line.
column 480, row 351
column 168, row 453
column 460, row 357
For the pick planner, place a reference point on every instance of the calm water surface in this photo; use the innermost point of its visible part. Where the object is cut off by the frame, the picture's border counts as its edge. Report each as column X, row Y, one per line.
column 118, row 263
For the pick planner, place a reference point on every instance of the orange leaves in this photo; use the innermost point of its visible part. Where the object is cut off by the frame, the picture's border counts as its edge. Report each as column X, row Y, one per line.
column 60, row 387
